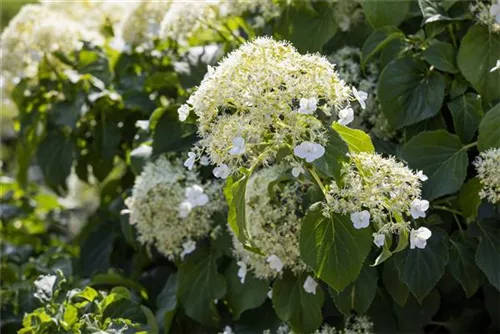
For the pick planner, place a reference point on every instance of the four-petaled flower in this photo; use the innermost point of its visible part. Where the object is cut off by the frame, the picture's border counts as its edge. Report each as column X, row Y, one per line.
column 308, row 106
column 418, row 238
column 310, row 285
column 309, row 151
column 188, row 247
column 421, row 176
column 275, row 263
column 346, row 116
column 189, row 163
column 183, row 112
column 184, row 209
column 297, row 170
column 221, row 172
column 195, row 196
column 238, row 146
column 242, row 272
column 360, row 219
column 418, row 208
column 360, row 96
column 378, row 239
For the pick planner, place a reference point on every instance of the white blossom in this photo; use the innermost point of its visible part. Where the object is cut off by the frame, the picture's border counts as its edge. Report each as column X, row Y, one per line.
column 188, row 247
column 195, row 196
column 238, row 146
column 227, row 330
column 488, row 172
column 497, row 66
column 184, row 209
column 183, row 112
column 378, row 239
column 495, row 11
column 346, row 116
column 44, row 286
column 310, row 285
column 418, row 208
column 421, row 176
column 242, row 271
column 221, row 172
column 309, row 151
column 275, row 263
column 189, row 163
column 204, row 161
column 360, row 219
column 144, row 125
column 308, row 106
column 360, row 96
column 418, row 238
column 297, row 170
column 270, row 293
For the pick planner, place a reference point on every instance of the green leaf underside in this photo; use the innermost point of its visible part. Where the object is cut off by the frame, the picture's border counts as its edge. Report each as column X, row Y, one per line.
column 488, row 252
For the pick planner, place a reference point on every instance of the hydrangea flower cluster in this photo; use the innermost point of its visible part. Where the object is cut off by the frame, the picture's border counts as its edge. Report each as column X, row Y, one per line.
column 371, row 118
column 171, row 209
column 378, row 190
column 275, row 226
column 36, row 32
column 262, row 96
column 487, row 14
column 352, row 325
column 488, row 171
column 347, row 14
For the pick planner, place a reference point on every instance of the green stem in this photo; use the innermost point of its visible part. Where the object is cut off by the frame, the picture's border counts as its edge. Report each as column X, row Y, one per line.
column 466, row 147
column 317, row 179
column 459, row 225
column 444, row 208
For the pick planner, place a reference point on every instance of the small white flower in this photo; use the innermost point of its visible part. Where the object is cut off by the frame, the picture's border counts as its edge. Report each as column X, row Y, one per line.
column 204, row 161
column 421, row 176
column 360, row 219
column 310, row 285
column 379, row 239
column 238, row 146
column 275, row 263
column 228, row 330
column 184, row 209
column 189, row 163
column 144, row 125
column 309, row 151
column 495, row 11
column 418, row 208
column 188, row 247
column 270, row 293
column 497, row 66
column 125, row 211
column 346, row 116
column 242, row 272
column 308, row 106
column 221, row 172
column 360, row 96
column 44, row 286
column 418, row 238
column 73, row 76
column 195, row 196
column 183, row 112
column 297, row 170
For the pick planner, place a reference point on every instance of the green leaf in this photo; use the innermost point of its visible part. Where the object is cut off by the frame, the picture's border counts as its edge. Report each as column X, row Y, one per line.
column 421, row 269
column 377, row 41
column 442, row 158
column 442, row 56
column 55, row 158
column 166, row 303
column 359, row 295
column 433, row 11
column 199, row 284
column 488, row 252
column 393, row 284
column 469, row 199
column 478, row 54
column 385, row 13
column 333, row 248
column 171, row 135
column 115, row 279
column 67, row 113
column 241, row 297
column 336, row 151
column 467, row 113
column 356, row 140
column 488, row 129
column 70, row 316
column 107, row 139
column 152, row 324
column 294, row 305
column 462, row 265
column 409, row 92
column 414, row 315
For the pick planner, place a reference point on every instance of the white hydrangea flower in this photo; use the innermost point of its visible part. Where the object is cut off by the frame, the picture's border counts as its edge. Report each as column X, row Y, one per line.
column 487, row 14
column 221, row 172
column 496, row 67
column 495, row 11
column 238, row 147
column 360, row 96
column 360, row 219
column 155, row 206
column 418, row 208
column 346, row 116
column 275, row 263
column 310, row 285
column 297, row 170
column 183, row 112
column 44, row 287
column 254, row 92
column 379, row 239
column 189, row 163
column 488, row 172
column 242, row 271
column 270, row 293
column 204, row 161
column 418, row 238
column 421, row 176
column 227, row 330
column 184, row 209
column 188, row 247
column 309, row 151
column 308, row 106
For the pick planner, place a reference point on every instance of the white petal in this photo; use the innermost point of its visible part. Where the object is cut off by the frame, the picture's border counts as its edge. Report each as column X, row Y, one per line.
column 275, row 263
column 221, row 172
column 242, row 271
column 379, row 239
column 310, row 285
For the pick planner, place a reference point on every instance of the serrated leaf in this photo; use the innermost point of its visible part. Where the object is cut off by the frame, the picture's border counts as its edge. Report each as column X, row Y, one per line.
column 296, row 306
column 488, row 129
column 462, row 265
column 488, row 251
column 356, row 140
column 469, row 199
column 333, row 248
column 442, row 56
column 442, row 158
column 467, row 113
column 393, row 284
column 409, row 92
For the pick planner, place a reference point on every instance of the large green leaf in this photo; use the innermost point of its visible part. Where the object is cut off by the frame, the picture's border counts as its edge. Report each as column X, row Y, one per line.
column 442, row 158
column 478, row 54
column 467, row 113
column 244, row 296
column 377, row 41
column 443, row 56
column 336, row 151
column 296, row 306
column 356, row 140
column 67, row 113
column 199, row 285
column 469, row 199
column 421, row 269
column 462, row 265
column 107, row 139
column 409, row 92
column 170, row 134
column 393, row 284
column 488, row 252
column 385, row 13
column 333, row 248
column 359, row 295
column 414, row 315
column 489, row 129
column 166, row 303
